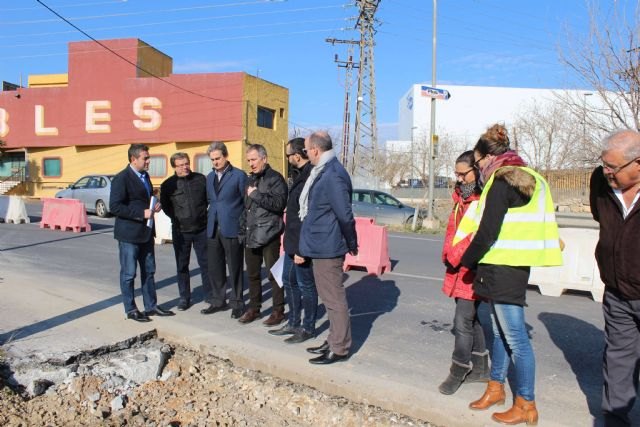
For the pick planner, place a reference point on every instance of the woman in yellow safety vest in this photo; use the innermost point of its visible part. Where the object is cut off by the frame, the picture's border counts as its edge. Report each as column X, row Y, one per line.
column 514, row 229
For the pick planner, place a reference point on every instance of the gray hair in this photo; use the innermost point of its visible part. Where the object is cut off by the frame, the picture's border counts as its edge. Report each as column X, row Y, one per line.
column 321, row 140
column 259, row 148
column 135, row 150
column 218, row 146
column 625, row 140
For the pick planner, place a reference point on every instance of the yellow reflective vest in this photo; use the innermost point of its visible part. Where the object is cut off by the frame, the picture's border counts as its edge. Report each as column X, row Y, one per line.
column 528, row 235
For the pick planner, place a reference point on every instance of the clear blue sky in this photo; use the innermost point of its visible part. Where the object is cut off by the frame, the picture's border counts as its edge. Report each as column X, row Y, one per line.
column 480, row 42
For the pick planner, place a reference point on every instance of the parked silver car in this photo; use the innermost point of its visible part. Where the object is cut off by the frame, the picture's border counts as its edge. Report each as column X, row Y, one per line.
column 93, row 191
column 382, row 207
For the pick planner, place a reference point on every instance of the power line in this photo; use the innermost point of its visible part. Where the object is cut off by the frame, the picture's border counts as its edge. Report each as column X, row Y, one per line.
column 45, row 55
column 144, row 12
column 64, row 6
column 239, row 27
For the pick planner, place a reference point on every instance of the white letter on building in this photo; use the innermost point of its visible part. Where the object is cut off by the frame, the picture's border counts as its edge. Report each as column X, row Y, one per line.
column 41, row 130
column 4, row 123
column 151, row 119
column 91, row 117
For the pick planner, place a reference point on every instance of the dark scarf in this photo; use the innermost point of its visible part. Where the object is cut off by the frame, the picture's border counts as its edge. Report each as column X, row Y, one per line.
column 466, row 190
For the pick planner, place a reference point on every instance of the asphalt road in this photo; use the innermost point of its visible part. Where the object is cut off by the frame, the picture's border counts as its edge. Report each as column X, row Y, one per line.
column 401, row 320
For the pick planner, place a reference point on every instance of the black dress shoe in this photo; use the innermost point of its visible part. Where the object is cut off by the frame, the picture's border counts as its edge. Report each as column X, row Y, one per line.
column 300, row 336
column 324, row 348
column 329, row 358
column 213, row 309
column 236, row 313
column 184, row 305
column 138, row 317
column 285, row 330
column 158, row 311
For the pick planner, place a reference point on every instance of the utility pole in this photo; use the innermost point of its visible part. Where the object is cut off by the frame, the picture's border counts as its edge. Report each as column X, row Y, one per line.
column 348, row 65
column 432, row 131
column 365, row 124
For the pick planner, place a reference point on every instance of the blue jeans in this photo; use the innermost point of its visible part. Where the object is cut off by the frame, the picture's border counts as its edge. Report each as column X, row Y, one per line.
column 132, row 254
column 469, row 335
column 301, row 293
column 511, row 342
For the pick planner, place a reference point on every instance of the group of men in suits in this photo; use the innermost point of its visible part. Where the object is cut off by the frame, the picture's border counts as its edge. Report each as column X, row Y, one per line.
column 229, row 218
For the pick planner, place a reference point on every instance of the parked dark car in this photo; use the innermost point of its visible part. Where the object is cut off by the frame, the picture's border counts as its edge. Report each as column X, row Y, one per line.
column 382, row 207
column 93, row 191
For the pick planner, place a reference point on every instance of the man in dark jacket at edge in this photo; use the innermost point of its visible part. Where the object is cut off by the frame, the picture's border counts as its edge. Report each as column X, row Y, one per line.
column 184, row 199
column 261, row 226
column 614, row 203
column 328, row 233
column 297, row 274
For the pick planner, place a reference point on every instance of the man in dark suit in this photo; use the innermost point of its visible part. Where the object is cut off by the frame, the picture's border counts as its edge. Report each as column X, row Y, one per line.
column 184, row 199
column 130, row 200
column 225, row 194
column 328, row 233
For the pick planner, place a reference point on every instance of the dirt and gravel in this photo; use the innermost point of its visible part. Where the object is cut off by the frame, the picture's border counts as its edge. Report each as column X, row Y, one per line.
column 194, row 389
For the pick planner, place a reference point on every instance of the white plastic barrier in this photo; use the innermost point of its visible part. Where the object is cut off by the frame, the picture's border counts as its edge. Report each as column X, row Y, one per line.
column 579, row 271
column 163, row 228
column 13, row 209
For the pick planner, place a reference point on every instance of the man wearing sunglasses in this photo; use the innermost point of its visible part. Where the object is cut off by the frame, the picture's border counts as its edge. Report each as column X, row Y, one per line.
column 614, row 204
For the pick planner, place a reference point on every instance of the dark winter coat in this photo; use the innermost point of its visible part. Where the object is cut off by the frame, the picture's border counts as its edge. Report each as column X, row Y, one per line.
column 184, row 200
column 616, row 252
column 293, row 224
column 262, row 221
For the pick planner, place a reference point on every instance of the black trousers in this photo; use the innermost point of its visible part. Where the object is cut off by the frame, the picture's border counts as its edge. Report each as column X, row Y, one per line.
column 254, row 257
column 621, row 358
column 224, row 252
column 182, row 243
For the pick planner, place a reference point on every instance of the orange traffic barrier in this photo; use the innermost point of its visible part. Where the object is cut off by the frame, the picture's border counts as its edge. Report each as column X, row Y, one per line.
column 373, row 248
column 64, row 214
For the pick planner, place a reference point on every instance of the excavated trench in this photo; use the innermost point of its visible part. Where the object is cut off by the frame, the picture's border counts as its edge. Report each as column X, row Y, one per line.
column 144, row 381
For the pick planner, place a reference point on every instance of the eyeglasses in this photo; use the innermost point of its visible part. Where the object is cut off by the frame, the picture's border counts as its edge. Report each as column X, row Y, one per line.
column 617, row 169
column 462, row 174
column 290, row 154
column 477, row 162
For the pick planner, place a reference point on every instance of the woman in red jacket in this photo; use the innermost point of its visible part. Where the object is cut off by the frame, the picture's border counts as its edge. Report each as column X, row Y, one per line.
column 470, row 359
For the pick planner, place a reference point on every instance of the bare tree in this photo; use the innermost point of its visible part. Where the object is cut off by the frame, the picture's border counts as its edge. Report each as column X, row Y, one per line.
column 607, row 59
column 549, row 137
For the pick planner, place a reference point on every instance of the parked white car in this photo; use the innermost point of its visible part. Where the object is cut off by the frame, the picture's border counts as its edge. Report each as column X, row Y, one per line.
column 93, row 191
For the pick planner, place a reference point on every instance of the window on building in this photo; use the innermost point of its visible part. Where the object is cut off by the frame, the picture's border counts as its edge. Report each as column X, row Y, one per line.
column 52, row 167
column 265, row 117
column 203, row 164
column 158, row 166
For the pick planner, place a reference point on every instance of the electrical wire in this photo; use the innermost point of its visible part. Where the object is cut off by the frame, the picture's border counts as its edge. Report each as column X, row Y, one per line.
column 150, row 73
column 63, row 6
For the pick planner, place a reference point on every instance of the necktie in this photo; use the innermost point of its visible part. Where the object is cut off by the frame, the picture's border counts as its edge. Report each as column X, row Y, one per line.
column 143, row 176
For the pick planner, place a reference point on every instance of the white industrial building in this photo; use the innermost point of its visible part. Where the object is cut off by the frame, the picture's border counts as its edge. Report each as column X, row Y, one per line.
column 468, row 112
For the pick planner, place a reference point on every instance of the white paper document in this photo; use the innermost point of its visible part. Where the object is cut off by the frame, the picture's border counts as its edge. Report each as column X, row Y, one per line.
column 152, row 205
column 277, row 270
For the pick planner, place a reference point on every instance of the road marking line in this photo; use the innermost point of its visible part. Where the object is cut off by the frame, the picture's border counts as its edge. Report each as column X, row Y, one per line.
column 415, row 276
column 414, row 238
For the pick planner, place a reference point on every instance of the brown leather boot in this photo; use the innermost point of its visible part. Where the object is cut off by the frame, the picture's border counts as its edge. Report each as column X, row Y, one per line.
column 274, row 319
column 493, row 395
column 522, row 411
column 249, row 316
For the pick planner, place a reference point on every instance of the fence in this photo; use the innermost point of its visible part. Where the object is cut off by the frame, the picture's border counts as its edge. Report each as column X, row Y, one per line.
column 566, row 185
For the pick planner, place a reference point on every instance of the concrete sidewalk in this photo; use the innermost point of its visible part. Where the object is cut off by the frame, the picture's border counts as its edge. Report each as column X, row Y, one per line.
column 59, row 294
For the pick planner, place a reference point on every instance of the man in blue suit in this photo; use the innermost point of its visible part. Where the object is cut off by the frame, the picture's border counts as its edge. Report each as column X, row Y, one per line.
column 225, row 194
column 328, row 233
column 131, row 192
